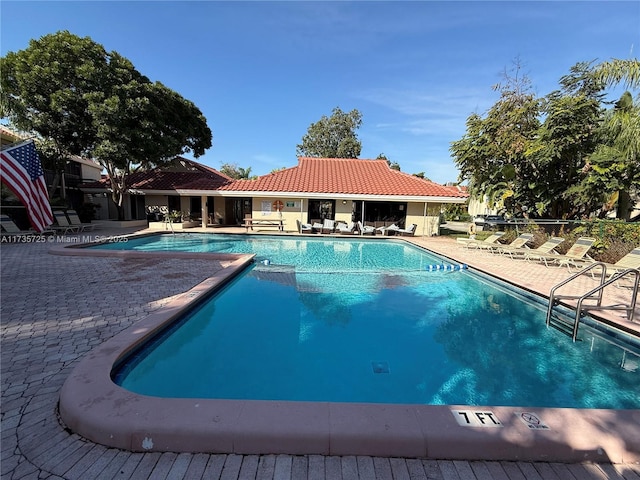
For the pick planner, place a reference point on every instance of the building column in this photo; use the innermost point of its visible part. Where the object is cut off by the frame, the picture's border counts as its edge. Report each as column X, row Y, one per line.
column 204, row 211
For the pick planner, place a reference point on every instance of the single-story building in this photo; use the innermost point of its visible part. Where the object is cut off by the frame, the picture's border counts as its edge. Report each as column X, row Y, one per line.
column 345, row 190
column 316, row 189
column 168, row 190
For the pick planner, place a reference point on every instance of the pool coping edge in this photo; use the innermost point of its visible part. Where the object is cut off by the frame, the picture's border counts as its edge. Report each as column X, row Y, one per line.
column 93, row 406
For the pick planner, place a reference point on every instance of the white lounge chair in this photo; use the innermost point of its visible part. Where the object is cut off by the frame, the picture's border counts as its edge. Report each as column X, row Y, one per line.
column 485, row 244
column 304, row 227
column 547, row 248
column 520, row 241
column 347, row 229
column 576, row 256
column 407, row 231
column 328, row 226
column 390, row 230
column 630, row 260
column 366, row 229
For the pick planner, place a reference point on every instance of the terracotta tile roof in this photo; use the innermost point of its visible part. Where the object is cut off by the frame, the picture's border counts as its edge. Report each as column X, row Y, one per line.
column 183, row 175
column 344, row 176
column 330, row 176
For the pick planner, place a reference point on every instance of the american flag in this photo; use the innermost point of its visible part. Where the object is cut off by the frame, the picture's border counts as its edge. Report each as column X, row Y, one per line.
column 21, row 171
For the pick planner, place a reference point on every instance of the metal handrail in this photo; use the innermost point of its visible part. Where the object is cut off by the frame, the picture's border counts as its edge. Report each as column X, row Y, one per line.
column 595, row 293
column 614, row 278
column 555, row 299
column 168, row 221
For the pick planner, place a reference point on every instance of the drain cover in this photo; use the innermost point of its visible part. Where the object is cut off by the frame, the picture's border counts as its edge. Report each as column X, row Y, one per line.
column 380, row 367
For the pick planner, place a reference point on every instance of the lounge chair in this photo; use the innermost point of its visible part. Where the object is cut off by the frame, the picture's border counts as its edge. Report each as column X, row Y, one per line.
column 630, row 260
column 390, row 230
column 545, row 249
column 304, row 227
column 317, row 227
column 488, row 242
column 62, row 223
column 328, row 226
column 366, row 229
column 520, row 241
column 407, row 231
column 10, row 228
column 576, row 256
column 76, row 222
column 346, row 229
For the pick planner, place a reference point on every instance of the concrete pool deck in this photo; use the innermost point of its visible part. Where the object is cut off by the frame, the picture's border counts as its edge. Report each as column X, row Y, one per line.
column 95, row 299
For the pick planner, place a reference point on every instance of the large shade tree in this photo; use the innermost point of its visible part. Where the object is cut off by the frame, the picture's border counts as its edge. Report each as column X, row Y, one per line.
column 578, row 160
column 568, row 135
column 333, row 137
column 493, row 154
column 44, row 88
column 86, row 101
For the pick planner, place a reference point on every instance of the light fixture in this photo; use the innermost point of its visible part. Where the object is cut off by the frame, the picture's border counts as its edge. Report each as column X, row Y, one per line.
column 344, row 202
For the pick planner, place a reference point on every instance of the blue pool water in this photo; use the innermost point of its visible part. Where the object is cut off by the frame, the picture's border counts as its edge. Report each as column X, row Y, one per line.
column 326, row 254
column 364, row 321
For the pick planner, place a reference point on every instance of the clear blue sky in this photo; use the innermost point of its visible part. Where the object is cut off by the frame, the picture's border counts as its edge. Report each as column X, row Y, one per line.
column 262, row 72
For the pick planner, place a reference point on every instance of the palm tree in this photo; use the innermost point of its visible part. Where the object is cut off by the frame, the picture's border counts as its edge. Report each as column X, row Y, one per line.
column 614, row 167
column 616, row 71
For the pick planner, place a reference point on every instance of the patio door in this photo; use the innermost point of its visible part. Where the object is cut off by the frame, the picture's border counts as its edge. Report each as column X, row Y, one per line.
column 381, row 213
column 319, row 210
column 236, row 209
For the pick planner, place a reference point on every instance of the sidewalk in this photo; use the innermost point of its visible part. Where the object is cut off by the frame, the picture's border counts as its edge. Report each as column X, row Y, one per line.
column 55, row 309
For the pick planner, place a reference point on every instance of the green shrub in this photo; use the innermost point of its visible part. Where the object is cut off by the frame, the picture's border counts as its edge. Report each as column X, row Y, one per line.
column 87, row 212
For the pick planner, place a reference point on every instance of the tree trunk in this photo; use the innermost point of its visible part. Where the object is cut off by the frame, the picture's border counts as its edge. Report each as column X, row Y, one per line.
column 624, row 204
column 120, row 212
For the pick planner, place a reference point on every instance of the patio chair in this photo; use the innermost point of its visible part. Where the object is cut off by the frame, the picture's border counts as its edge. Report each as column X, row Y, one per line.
column 62, row 223
column 76, row 222
column 630, row 260
column 390, row 230
column 547, row 248
column 317, row 227
column 346, row 229
column 520, row 241
column 576, row 256
column 366, row 229
column 409, row 232
column 10, row 228
column 304, row 227
column 488, row 242
column 328, row 226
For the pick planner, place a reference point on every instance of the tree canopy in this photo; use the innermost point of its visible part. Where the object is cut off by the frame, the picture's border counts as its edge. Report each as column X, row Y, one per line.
column 232, row 170
column 85, row 101
column 562, row 156
column 333, row 137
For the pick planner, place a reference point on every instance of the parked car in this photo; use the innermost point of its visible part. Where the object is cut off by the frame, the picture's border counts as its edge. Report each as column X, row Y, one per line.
column 489, row 221
column 479, row 219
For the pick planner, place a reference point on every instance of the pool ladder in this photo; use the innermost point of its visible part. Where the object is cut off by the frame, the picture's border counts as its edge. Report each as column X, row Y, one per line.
column 167, row 220
column 594, row 294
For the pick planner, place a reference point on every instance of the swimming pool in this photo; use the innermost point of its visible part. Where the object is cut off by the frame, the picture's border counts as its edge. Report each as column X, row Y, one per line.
column 346, row 320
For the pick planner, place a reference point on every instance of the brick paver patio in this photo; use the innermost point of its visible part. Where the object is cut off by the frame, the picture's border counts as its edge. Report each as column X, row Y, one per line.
column 55, row 309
